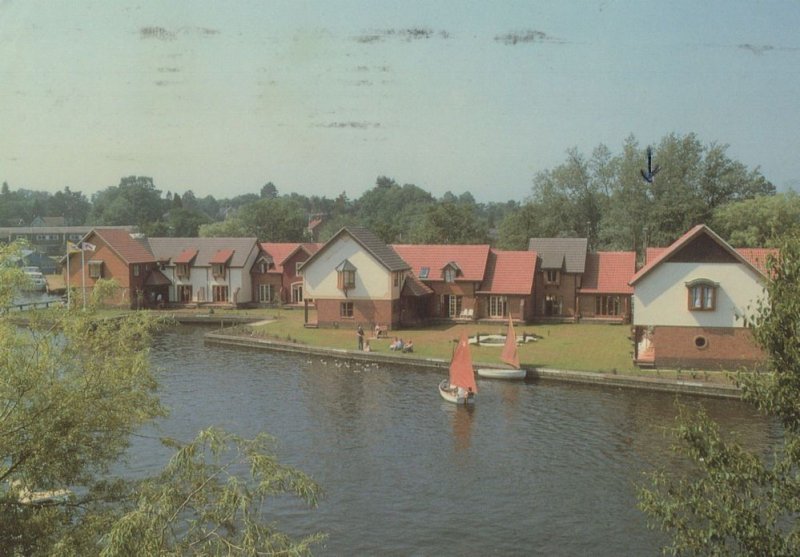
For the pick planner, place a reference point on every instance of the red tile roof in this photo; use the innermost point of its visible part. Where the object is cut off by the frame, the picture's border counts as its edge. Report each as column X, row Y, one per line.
column 130, row 248
column 471, row 259
column 221, row 257
column 186, row 256
column 510, row 272
column 656, row 256
column 281, row 251
column 758, row 256
column 608, row 272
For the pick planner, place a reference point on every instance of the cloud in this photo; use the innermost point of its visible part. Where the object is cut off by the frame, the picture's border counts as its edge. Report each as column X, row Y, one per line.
column 759, row 49
column 162, row 34
column 527, row 36
column 407, row 35
column 351, row 125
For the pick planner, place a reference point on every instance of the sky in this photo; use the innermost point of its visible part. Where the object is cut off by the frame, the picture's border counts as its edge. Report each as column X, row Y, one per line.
column 322, row 97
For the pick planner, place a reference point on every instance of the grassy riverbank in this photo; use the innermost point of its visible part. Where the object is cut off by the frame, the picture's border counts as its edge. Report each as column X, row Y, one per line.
column 601, row 348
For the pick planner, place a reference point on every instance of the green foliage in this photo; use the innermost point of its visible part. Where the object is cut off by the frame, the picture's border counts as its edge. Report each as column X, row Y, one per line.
column 758, row 222
column 732, row 501
column 74, row 386
column 222, row 514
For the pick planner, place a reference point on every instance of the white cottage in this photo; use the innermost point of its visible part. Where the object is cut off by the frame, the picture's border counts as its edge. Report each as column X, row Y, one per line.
column 355, row 278
column 689, row 300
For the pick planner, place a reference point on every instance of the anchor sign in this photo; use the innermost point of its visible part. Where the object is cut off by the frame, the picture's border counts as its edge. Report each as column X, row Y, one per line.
column 651, row 172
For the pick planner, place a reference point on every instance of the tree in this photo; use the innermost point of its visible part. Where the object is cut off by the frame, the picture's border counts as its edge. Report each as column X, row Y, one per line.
column 66, row 415
column 135, row 201
column 758, row 222
column 451, row 223
column 269, row 191
column 733, row 501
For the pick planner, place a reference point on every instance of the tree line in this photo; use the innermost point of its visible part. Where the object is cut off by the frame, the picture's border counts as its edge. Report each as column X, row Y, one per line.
column 603, row 196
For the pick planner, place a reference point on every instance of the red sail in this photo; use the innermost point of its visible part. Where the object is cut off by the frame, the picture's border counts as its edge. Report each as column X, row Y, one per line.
column 461, row 372
column 510, row 355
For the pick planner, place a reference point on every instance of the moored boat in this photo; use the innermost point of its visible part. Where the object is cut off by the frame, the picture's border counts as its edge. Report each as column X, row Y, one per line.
column 509, row 355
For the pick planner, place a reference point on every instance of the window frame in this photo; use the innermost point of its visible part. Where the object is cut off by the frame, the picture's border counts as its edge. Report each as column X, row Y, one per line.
column 346, row 310
column 701, row 295
column 498, row 306
column 552, row 276
column 95, row 269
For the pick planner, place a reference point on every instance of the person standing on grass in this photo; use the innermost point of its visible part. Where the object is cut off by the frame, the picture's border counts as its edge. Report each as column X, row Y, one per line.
column 360, row 335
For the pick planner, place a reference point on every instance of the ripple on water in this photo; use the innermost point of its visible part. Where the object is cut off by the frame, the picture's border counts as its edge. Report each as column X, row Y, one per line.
column 535, row 468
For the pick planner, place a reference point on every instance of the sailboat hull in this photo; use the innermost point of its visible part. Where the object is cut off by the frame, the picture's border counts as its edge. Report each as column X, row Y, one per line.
column 454, row 394
column 490, row 373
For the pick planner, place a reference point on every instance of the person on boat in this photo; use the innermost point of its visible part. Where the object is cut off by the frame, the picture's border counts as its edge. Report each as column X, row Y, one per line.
column 360, row 335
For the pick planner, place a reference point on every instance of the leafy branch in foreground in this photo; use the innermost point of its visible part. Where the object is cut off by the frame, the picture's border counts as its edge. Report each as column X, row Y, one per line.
column 733, row 501
column 74, row 386
column 200, row 504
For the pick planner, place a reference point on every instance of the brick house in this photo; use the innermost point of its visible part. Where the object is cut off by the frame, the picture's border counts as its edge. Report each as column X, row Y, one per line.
column 604, row 294
column 276, row 276
column 559, row 274
column 119, row 255
column 689, row 300
column 471, row 282
column 454, row 274
column 356, row 278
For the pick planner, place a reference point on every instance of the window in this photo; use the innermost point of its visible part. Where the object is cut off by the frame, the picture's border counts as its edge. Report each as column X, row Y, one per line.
column 219, row 293
column 346, row 275
column 552, row 305
column 424, row 272
column 182, row 270
column 297, row 293
column 552, row 276
column 702, row 295
column 451, row 305
column 185, row 293
column 346, row 309
column 396, row 278
column 95, row 269
column 218, row 270
column 297, row 266
column 449, row 274
column 498, row 306
column 136, row 270
column 265, row 292
column 607, row 305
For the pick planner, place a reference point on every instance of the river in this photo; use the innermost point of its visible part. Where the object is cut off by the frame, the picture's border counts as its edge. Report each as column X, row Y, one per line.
column 536, row 468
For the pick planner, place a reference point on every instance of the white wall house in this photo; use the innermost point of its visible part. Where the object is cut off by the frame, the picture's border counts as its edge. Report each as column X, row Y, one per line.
column 207, row 269
column 689, row 301
column 355, row 278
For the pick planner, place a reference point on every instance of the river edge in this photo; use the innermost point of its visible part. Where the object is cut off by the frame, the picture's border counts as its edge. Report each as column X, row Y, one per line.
column 678, row 386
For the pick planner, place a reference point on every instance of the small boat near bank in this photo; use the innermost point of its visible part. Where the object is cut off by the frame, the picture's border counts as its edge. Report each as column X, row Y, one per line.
column 460, row 386
column 509, row 355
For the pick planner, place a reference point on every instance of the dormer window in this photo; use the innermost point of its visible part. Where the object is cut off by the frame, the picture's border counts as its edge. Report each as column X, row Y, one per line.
column 552, row 276
column 346, row 275
column 702, row 295
column 450, row 272
column 182, row 270
column 218, row 270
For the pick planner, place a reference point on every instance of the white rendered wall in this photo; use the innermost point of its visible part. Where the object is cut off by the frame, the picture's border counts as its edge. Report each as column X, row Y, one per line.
column 320, row 279
column 661, row 297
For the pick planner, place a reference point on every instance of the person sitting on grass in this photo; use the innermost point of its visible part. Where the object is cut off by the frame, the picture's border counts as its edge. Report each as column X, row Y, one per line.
column 409, row 346
column 366, row 346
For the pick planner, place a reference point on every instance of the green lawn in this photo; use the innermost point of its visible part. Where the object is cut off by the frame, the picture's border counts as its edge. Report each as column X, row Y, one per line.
column 580, row 347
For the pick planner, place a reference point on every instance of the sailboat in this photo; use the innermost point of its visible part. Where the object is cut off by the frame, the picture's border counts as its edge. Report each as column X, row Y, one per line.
column 509, row 356
column 460, row 387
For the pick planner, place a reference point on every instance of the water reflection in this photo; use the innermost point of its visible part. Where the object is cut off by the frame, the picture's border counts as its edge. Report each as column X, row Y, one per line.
column 535, row 468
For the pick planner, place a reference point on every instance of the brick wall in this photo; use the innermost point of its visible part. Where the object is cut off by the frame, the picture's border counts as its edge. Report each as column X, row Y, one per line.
column 566, row 288
column 725, row 348
column 366, row 312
